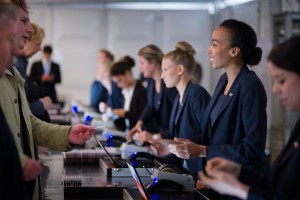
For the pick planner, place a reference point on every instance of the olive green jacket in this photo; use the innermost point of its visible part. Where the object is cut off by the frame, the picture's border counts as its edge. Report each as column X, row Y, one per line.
column 38, row 132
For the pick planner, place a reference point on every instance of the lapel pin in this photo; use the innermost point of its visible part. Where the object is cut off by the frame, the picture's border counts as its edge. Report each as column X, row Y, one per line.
column 230, row 94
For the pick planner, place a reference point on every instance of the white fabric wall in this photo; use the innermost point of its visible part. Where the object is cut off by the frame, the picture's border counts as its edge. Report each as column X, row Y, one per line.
column 78, row 33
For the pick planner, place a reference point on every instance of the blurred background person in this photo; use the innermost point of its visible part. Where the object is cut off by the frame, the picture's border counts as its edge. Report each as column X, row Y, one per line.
column 282, row 181
column 98, row 92
column 36, row 95
column 104, row 92
column 134, row 93
column 46, row 73
column 154, row 122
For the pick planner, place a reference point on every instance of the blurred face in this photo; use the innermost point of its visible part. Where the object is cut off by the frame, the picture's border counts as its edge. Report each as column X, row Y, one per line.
column 102, row 58
column 219, row 50
column 286, row 86
column 31, row 48
column 146, row 67
column 122, row 81
column 23, row 28
column 170, row 73
column 8, row 45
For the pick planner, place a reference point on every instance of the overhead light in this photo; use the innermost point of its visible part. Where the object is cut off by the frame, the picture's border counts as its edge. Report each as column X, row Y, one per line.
column 227, row 3
column 159, row 6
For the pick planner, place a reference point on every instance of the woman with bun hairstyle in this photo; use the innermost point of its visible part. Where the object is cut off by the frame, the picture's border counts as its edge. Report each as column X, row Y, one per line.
column 235, row 122
column 134, row 93
column 178, row 67
column 160, row 98
column 283, row 180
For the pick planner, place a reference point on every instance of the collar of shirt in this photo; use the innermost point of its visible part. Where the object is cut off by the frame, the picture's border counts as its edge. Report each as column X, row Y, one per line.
column 127, row 93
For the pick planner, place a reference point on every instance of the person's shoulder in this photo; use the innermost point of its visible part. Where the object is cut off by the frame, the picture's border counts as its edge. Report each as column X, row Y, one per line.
column 198, row 91
column 140, row 87
column 251, row 80
column 37, row 62
column 54, row 63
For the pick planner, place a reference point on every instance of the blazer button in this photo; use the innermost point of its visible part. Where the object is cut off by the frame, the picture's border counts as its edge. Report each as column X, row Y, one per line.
column 19, row 134
column 16, row 101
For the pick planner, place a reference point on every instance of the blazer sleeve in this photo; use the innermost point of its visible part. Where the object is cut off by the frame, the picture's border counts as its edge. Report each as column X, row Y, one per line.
column 254, row 121
column 148, row 112
column 137, row 105
column 50, row 135
column 37, row 108
column 57, row 74
column 34, row 72
column 171, row 94
column 253, row 178
column 256, row 194
column 199, row 107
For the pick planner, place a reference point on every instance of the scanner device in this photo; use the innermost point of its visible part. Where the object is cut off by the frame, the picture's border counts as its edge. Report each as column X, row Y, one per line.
column 132, row 147
column 114, row 140
column 163, row 185
column 167, row 180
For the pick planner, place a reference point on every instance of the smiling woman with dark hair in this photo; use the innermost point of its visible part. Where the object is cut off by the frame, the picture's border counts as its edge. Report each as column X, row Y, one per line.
column 234, row 124
column 283, row 180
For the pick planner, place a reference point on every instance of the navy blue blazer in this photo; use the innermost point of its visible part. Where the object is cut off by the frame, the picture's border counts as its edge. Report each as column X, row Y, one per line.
column 283, row 180
column 115, row 99
column 136, row 108
column 185, row 120
column 98, row 94
column 240, row 129
column 162, row 115
column 36, row 72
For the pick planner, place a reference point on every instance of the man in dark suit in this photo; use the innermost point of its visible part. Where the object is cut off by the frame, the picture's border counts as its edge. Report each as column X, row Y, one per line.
column 46, row 73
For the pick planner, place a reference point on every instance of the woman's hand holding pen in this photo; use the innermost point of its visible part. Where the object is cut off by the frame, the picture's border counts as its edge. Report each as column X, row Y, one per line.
column 187, row 149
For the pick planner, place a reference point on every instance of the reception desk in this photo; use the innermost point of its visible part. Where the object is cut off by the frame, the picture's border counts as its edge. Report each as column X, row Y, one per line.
column 87, row 181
